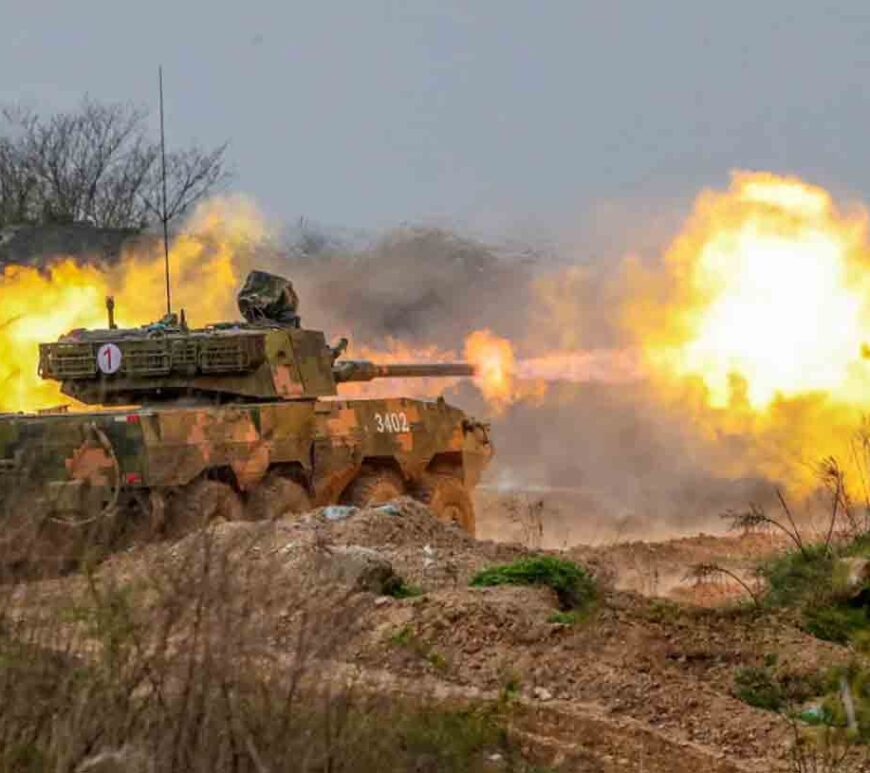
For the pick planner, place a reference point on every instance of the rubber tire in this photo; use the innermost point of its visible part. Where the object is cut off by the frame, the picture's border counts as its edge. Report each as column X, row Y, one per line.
column 447, row 497
column 201, row 503
column 277, row 496
column 373, row 487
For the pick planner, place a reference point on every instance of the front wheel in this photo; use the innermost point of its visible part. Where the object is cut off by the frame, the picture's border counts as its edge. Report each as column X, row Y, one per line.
column 373, row 486
column 447, row 497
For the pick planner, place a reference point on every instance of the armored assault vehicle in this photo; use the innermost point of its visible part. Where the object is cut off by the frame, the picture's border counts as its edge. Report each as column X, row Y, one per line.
column 234, row 420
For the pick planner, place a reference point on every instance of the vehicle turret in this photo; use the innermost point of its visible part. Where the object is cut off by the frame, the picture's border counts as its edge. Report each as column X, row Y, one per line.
column 268, row 356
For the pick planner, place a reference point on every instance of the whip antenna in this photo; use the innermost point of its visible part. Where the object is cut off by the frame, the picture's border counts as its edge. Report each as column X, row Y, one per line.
column 164, row 215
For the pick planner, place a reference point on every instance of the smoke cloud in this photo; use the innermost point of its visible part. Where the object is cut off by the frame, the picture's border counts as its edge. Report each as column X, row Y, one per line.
column 607, row 448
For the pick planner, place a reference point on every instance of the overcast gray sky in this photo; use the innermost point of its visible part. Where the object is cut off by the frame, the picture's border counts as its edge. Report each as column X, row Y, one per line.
column 482, row 114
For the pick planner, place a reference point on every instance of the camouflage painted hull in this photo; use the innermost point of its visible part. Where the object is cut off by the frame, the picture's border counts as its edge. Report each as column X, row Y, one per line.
column 76, row 462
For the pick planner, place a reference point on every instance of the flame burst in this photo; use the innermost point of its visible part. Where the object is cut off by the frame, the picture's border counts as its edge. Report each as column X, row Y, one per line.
column 493, row 357
column 758, row 322
column 38, row 306
column 765, row 295
column 501, row 378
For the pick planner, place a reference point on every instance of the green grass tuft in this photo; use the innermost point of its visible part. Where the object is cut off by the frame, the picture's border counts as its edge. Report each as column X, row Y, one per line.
column 813, row 583
column 573, row 585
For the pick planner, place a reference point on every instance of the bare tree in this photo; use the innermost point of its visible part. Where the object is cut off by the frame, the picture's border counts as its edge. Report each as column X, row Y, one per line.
column 97, row 164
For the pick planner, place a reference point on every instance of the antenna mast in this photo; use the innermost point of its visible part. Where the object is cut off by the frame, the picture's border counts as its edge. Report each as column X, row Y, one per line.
column 164, row 216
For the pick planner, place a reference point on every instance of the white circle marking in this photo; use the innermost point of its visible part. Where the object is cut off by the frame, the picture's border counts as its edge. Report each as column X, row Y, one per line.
column 109, row 358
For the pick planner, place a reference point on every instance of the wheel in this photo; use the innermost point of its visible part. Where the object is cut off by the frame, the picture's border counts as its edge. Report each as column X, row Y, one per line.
column 448, row 499
column 276, row 496
column 203, row 501
column 373, row 486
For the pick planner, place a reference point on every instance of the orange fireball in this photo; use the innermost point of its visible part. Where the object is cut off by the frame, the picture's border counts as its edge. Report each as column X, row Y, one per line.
column 766, row 287
column 493, row 357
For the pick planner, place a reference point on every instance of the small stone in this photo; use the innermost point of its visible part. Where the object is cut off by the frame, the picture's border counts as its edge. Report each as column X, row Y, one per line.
column 382, row 601
column 362, row 567
column 124, row 760
column 542, row 694
column 339, row 512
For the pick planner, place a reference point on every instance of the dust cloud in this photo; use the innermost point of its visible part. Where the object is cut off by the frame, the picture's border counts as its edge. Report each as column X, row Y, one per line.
column 604, row 456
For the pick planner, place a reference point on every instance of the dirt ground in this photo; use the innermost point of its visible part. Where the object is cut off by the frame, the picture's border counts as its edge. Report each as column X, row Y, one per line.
column 644, row 683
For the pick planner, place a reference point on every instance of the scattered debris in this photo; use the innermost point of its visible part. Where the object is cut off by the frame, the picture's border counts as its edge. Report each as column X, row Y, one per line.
column 339, row 512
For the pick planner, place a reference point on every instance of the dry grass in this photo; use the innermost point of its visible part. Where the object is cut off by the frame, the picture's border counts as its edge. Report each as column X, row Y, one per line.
column 210, row 654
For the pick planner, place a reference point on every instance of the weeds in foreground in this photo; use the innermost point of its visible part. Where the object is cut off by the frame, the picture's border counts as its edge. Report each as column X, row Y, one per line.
column 213, row 654
column 828, row 591
column 826, row 712
column 823, row 749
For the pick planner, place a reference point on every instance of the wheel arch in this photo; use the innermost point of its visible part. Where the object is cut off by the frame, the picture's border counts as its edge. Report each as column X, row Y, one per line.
column 447, row 462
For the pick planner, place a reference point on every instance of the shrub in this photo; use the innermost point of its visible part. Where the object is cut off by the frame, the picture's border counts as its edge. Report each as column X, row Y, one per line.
column 797, row 577
column 407, row 638
column 812, row 581
column 758, row 687
column 766, row 688
column 572, row 584
column 835, row 622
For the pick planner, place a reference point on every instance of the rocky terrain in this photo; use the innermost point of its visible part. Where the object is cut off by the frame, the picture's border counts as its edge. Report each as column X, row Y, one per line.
column 644, row 680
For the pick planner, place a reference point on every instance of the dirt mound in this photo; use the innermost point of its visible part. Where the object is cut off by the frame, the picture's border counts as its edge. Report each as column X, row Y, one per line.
column 662, row 569
column 397, row 524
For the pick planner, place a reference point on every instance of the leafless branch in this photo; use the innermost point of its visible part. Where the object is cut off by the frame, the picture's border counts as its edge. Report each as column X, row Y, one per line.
column 756, row 516
column 97, row 164
column 704, row 572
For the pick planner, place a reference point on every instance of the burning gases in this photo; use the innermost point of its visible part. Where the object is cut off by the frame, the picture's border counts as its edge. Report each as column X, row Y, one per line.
column 493, row 358
column 753, row 329
column 763, row 296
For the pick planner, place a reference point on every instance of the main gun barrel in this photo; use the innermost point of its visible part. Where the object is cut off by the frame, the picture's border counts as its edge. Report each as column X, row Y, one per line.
column 365, row 370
